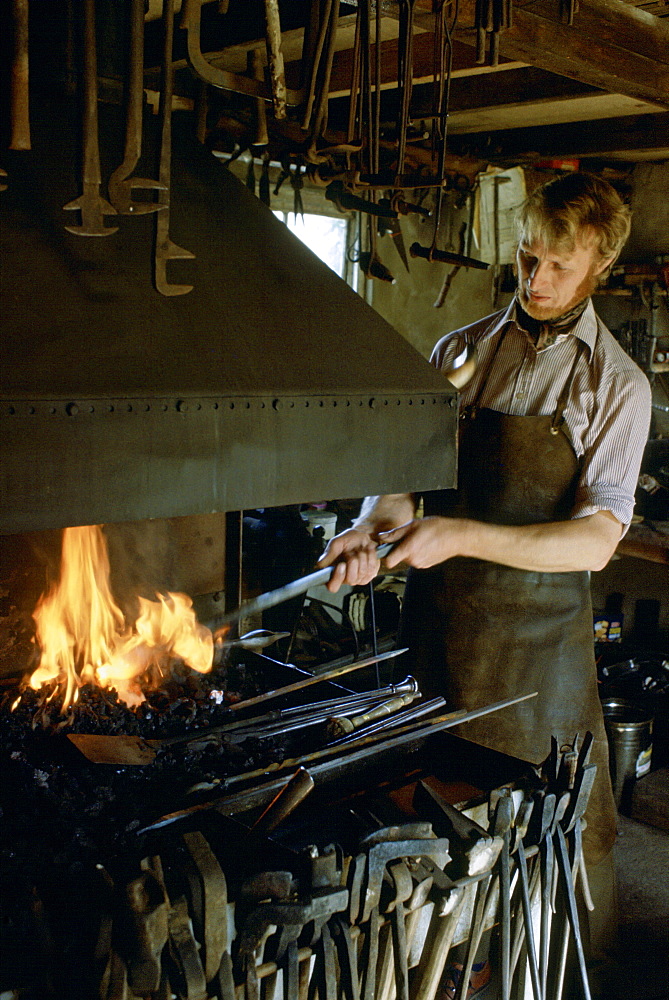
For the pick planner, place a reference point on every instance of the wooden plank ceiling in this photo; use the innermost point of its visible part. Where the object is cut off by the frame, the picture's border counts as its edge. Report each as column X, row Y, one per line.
column 596, row 88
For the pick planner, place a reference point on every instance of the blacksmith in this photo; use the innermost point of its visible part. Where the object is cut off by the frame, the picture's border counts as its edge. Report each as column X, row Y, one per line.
column 552, row 430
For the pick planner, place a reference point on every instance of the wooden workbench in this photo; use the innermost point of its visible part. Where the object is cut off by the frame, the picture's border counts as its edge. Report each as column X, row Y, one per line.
column 647, row 540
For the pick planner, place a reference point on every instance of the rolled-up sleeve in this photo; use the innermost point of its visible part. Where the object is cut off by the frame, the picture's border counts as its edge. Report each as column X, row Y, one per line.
column 613, row 446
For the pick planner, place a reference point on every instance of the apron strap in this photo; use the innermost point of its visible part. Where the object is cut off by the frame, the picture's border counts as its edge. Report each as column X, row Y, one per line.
column 563, row 399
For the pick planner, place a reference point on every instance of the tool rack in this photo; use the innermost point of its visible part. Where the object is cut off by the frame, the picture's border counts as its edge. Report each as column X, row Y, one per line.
column 365, row 900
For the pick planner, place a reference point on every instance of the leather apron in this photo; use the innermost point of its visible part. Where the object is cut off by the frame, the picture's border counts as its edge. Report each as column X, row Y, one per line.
column 479, row 632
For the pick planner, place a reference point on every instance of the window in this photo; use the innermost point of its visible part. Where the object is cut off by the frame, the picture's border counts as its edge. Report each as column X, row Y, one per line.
column 326, row 237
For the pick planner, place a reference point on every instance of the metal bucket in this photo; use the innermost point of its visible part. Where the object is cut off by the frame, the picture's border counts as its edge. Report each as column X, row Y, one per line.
column 630, row 732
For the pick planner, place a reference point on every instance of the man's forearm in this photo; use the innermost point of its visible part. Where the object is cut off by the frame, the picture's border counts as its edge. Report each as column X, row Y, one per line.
column 382, row 513
column 585, row 543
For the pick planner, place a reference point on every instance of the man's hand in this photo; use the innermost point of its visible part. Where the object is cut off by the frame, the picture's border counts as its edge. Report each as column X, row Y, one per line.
column 354, row 551
column 425, row 542
column 585, row 543
column 354, row 554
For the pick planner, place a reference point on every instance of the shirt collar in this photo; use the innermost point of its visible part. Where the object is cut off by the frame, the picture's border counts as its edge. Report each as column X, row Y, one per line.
column 585, row 327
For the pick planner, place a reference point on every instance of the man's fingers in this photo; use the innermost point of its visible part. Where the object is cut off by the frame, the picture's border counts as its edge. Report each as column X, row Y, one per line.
column 332, row 552
column 353, row 557
column 338, row 577
column 355, row 570
column 395, row 534
column 395, row 537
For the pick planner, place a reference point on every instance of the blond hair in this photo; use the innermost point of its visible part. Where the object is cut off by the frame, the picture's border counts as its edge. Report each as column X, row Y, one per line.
column 557, row 213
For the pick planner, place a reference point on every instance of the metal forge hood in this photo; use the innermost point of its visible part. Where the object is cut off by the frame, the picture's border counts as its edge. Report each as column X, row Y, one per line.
column 271, row 382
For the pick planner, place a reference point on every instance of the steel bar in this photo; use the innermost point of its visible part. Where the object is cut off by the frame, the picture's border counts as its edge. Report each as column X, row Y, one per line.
column 396, row 720
column 409, row 684
column 405, row 734
column 329, row 675
column 534, row 892
column 564, row 942
column 527, row 915
column 321, row 762
column 572, row 910
column 503, row 821
column 483, row 890
column 275, row 722
column 281, row 594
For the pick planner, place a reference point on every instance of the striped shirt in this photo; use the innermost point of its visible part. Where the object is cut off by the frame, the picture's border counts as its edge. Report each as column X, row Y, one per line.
column 608, row 411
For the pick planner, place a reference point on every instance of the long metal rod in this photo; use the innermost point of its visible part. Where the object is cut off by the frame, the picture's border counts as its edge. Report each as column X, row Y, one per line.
column 410, row 715
column 369, row 745
column 313, row 713
column 562, row 855
column 330, row 675
column 529, row 927
column 378, row 694
column 318, row 763
column 314, row 716
column 274, row 597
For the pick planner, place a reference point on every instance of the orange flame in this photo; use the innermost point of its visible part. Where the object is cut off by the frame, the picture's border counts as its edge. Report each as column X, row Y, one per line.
column 84, row 638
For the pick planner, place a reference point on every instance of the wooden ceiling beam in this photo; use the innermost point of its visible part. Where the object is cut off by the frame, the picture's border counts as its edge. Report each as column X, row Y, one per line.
column 463, row 64
column 518, row 86
column 629, row 137
column 611, row 44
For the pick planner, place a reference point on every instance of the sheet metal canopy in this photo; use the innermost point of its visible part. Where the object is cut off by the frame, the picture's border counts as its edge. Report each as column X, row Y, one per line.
column 271, row 382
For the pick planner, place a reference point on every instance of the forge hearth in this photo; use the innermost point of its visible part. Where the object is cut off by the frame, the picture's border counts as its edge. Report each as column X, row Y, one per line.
column 89, row 877
column 156, row 880
column 58, row 805
column 94, row 907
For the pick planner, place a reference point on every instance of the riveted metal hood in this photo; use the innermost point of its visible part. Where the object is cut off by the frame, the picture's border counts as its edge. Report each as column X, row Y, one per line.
column 271, row 382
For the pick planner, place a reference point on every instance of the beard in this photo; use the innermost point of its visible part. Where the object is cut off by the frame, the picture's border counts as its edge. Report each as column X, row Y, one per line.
column 544, row 314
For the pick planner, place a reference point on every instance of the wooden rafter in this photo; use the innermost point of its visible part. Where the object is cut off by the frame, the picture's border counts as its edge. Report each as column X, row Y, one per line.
column 632, row 137
column 611, row 44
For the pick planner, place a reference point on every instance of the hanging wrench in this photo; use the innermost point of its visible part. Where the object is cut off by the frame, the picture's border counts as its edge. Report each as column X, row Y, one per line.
column 91, row 204
column 405, row 75
column 165, row 248
column 19, row 109
column 121, row 184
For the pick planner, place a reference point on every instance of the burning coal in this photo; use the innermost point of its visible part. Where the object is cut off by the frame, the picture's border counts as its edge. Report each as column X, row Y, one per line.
column 84, row 638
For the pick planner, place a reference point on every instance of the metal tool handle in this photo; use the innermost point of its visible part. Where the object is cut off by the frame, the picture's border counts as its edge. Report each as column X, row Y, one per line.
column 294, row 589
column 283, row 804
column 446, row 257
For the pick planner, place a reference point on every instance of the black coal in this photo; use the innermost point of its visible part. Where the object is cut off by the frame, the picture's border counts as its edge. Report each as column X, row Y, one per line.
column 60, row 809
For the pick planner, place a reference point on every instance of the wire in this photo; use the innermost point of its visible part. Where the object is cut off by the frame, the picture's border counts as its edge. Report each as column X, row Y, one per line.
column 372, row 618
column 445, row 97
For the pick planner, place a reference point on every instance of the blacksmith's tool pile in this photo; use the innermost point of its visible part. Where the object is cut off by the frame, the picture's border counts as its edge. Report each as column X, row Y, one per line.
column 520, row 875
column 202, row 748
column 278, row 889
